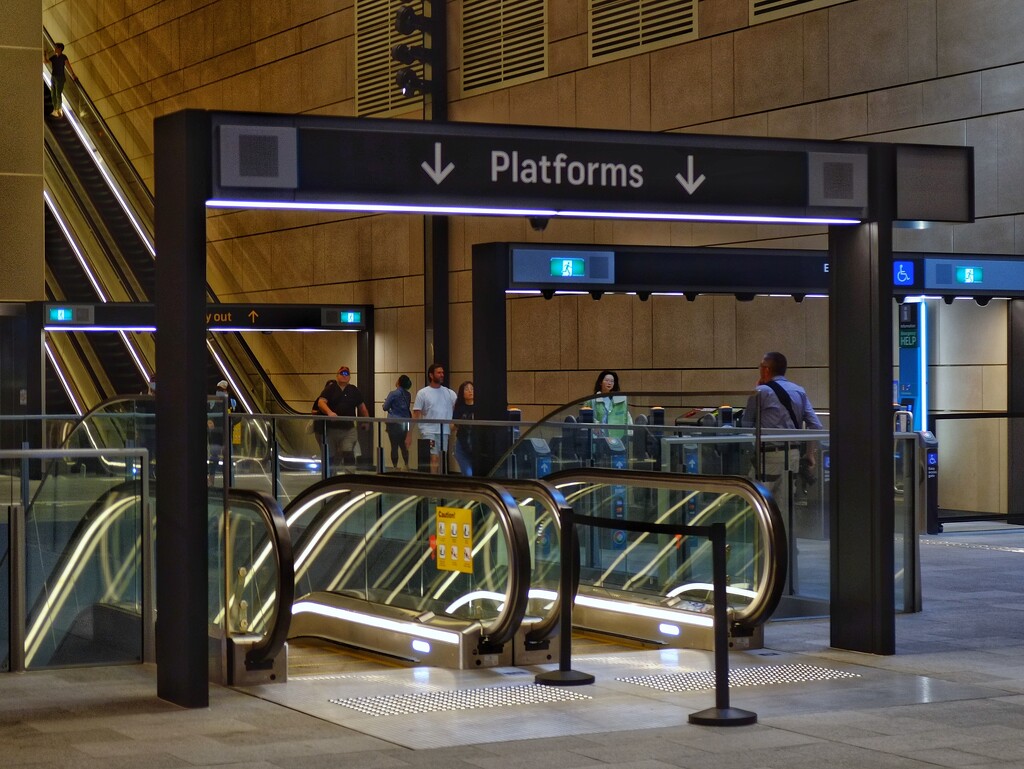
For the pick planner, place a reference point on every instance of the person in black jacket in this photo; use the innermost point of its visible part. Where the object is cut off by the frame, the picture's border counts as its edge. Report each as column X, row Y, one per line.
column 341, row 398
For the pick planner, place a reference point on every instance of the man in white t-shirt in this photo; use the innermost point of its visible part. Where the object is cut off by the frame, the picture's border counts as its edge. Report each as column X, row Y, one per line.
column 434, row 402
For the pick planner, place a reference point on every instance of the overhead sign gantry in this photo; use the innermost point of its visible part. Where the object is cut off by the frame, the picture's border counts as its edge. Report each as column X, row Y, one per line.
column 380, row 165
column 245, row 160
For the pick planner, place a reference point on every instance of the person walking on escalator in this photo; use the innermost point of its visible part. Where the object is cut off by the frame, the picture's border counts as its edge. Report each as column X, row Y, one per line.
column 59, row 65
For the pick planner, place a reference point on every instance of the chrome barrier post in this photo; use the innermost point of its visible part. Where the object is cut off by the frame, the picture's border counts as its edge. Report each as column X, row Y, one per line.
column 722, row 714
column 569, row 552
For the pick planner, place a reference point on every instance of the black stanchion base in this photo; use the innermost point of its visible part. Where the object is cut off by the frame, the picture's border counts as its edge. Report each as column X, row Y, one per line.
column 564, row 678
column 723, row 717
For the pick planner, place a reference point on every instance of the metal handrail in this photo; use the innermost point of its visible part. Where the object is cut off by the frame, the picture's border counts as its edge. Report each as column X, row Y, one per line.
column 504, row 627
column 552, row 498
column 775, row 563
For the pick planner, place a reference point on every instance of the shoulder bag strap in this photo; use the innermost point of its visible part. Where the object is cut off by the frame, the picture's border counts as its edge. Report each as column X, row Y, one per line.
column 785, row 400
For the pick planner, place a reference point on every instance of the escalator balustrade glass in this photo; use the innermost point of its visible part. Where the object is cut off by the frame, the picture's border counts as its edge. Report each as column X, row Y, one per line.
column 83, row 564
column 427, row 570
column 658, row 588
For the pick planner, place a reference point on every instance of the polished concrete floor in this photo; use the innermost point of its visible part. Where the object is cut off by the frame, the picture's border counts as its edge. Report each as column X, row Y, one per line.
column 952, row 696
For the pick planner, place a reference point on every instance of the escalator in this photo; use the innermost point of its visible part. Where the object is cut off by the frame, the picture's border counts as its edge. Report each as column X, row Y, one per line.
column 116, row 209
column 374, row 569
column 86, row 547
column 67, row 282
column 420, row 569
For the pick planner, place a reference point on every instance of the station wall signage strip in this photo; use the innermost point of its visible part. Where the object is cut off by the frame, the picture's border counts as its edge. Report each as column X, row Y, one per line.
column 220, row 317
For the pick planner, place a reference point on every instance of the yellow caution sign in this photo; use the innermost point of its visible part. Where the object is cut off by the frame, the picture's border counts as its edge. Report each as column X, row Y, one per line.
column 454, row 539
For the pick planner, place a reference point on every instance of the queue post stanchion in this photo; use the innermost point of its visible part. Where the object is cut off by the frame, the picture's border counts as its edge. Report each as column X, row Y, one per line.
column 722, row 714
column 569, row 553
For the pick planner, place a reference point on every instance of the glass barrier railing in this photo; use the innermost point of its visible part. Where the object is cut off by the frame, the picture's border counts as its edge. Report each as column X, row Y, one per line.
column 428, row 570
column 77, row 542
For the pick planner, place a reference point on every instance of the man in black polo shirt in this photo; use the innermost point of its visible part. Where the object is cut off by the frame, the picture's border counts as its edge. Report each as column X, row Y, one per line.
column 341, row 398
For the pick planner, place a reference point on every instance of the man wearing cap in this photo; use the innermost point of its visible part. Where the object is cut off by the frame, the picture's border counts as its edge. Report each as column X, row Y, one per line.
column 341, row 398
column 215, row 428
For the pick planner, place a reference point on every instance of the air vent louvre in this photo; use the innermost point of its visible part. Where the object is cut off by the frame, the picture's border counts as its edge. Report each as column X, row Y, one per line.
column 626, row 27
column 769, row 10
column 376, row 92
column 503, row 42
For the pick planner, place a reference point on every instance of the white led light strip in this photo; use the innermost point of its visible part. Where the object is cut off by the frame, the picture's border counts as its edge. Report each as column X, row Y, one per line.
column 481, row 211
column 395, row 626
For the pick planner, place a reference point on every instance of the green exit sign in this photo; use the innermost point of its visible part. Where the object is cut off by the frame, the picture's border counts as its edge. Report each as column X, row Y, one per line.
column 348, row 318
column 69, row 315
column 968, row 275
column 568, row 268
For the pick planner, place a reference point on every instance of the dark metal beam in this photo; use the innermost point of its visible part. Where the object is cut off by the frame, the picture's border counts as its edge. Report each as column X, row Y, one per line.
column 861, row 506
column 183, row 168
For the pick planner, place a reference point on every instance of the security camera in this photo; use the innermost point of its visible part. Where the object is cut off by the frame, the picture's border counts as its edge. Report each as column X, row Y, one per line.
column 538, row 223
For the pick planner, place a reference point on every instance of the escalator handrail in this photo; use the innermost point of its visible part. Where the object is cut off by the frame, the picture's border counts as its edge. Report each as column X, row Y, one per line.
column 267, row 649
column 547, row 627
column 769, row 519
column 504, row 627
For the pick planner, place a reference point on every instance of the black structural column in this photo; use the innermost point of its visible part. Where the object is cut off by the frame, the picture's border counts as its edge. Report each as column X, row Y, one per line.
column 436, row 300
column 860, row 360
column 183, row 162
column 1015, row 405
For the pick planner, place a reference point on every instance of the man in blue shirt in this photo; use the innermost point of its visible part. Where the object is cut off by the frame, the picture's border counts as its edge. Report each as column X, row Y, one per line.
column 780, row 404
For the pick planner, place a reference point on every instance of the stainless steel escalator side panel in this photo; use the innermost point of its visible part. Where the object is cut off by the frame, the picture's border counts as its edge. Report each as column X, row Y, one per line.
column 397, row 633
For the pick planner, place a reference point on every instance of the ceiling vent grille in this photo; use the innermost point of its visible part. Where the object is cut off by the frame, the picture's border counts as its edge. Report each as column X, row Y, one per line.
column 504, row 42
column 376, row 91
column 621, row 28
column 769, row 10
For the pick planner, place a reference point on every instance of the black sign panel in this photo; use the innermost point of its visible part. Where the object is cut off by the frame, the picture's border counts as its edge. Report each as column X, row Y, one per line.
column 219, row 317
column 282, row 317
column 655, row 269
column 374, row 164
column 549, row 173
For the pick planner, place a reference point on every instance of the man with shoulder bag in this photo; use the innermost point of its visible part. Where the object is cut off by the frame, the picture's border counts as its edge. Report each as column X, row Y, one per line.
column 781, row 404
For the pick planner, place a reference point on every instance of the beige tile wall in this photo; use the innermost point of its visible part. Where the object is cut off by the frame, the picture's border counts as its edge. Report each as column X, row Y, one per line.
column 21, row 153
column 944, row 71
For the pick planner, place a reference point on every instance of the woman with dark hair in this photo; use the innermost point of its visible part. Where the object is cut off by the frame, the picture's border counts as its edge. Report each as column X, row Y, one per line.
column 397, row 405
column 609, row 408
column 465, row 408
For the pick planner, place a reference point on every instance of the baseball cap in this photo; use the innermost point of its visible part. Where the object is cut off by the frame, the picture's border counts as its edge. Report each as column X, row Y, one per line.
column 222, row 384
